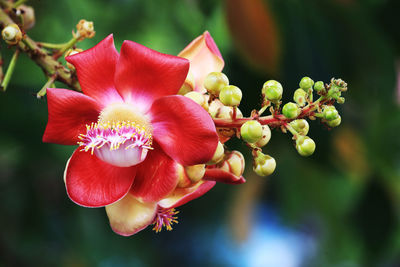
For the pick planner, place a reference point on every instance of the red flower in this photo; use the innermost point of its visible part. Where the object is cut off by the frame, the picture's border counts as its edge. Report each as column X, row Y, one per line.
column 131, row 127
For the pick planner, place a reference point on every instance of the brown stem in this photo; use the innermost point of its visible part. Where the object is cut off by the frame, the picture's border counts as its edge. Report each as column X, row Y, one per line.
column 271, row 120
column 41, row 57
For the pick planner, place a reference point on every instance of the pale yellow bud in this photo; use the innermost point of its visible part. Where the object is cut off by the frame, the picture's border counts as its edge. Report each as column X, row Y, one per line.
column 236, row 163
column 12, row 34
column 218, row 155
column 188, row 85
column 198, row 98
column 195, row 172
column 266, row 136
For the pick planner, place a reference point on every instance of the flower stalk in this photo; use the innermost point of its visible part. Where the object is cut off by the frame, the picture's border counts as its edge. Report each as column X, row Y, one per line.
column 10, row 71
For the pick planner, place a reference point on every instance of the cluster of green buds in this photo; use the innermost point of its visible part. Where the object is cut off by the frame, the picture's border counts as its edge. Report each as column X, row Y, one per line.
column 222, row 100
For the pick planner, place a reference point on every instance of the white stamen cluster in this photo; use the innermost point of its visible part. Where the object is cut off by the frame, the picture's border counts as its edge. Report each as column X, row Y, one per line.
column 114, row 135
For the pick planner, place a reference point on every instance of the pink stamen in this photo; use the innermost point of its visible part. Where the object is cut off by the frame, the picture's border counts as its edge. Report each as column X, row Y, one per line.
column 115, row 134
column 166, row 218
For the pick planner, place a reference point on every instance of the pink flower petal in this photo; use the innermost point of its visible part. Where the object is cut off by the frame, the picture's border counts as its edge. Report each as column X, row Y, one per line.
column 69, row 112
column 182, row 196
column 156, row 177
column 129, row 216
column 204, row 58
column 221, row 176
column 91, row 182
column 184, row 130
column 95, row 68
column 144, row 75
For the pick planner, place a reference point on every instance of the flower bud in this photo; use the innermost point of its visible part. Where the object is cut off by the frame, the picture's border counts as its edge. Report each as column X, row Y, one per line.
column 319, row 86
column 330, row 113
column 305, row 146
column 225, row 112
column 272, row 90
column 230, row 95
column 28, row 15
column 71, row 52
column 264, row 165
column 85, row 29
column 215, row 81
column 334, row 123
column 266, row 136
column 183, row 179
column 218, row 155
column 290, row 110
column 198, row 98
column 300, row 97
column 12, row 34
column 340, row 100
column 236, row 163
column 188, row 85
column 251, row 131
column 301, row 126
column 306, row 83
column 196, row 172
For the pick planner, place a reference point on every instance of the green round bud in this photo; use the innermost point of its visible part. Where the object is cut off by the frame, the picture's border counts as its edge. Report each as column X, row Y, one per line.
column 251, row 131
column 305, row 146
column 290, row 110
column 319, row 86
column 272, row 90
column 306, row 83
column 330, row 113
column 334, row 123
column 215, row 81
column 230, row 95
column 301, row 126
column 264, row 165
column 300, row 97
column 266, row 136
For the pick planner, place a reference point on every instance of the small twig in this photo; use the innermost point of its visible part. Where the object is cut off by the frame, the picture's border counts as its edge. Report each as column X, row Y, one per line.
column 49, row 83
column 10, row 71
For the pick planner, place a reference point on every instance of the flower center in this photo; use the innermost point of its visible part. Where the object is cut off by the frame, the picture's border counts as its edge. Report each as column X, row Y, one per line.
column 121, row 137
column 166, row 218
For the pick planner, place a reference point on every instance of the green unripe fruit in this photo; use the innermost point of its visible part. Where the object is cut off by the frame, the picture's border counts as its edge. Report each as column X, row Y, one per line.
column 306, row 83
column 330, row 113
column 301, row 126
column 264, row 165
column 251, row 131
column 272, row 90
column 290, row 110
column 230, row 95
column 300, row 97
column 266, row 136
column 319, row 86
column 335, row 123
column 215, row 81
column 305, row 146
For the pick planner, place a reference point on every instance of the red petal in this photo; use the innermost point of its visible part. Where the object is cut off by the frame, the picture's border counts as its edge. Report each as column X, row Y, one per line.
column 184, row 130
column 204, row 58
column 91, row 182
column 69, row 112
column 156, row 177
column 143, row 75
column 221, row 176
column 182, row 196
column 129, row 216
column 95, row 68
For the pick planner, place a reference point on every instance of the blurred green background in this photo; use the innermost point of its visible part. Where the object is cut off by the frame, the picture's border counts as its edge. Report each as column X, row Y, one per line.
column 340, row 207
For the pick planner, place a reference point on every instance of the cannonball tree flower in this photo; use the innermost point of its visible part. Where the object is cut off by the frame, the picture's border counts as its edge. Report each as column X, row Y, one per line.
column 130, row 215
column 133, row 132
